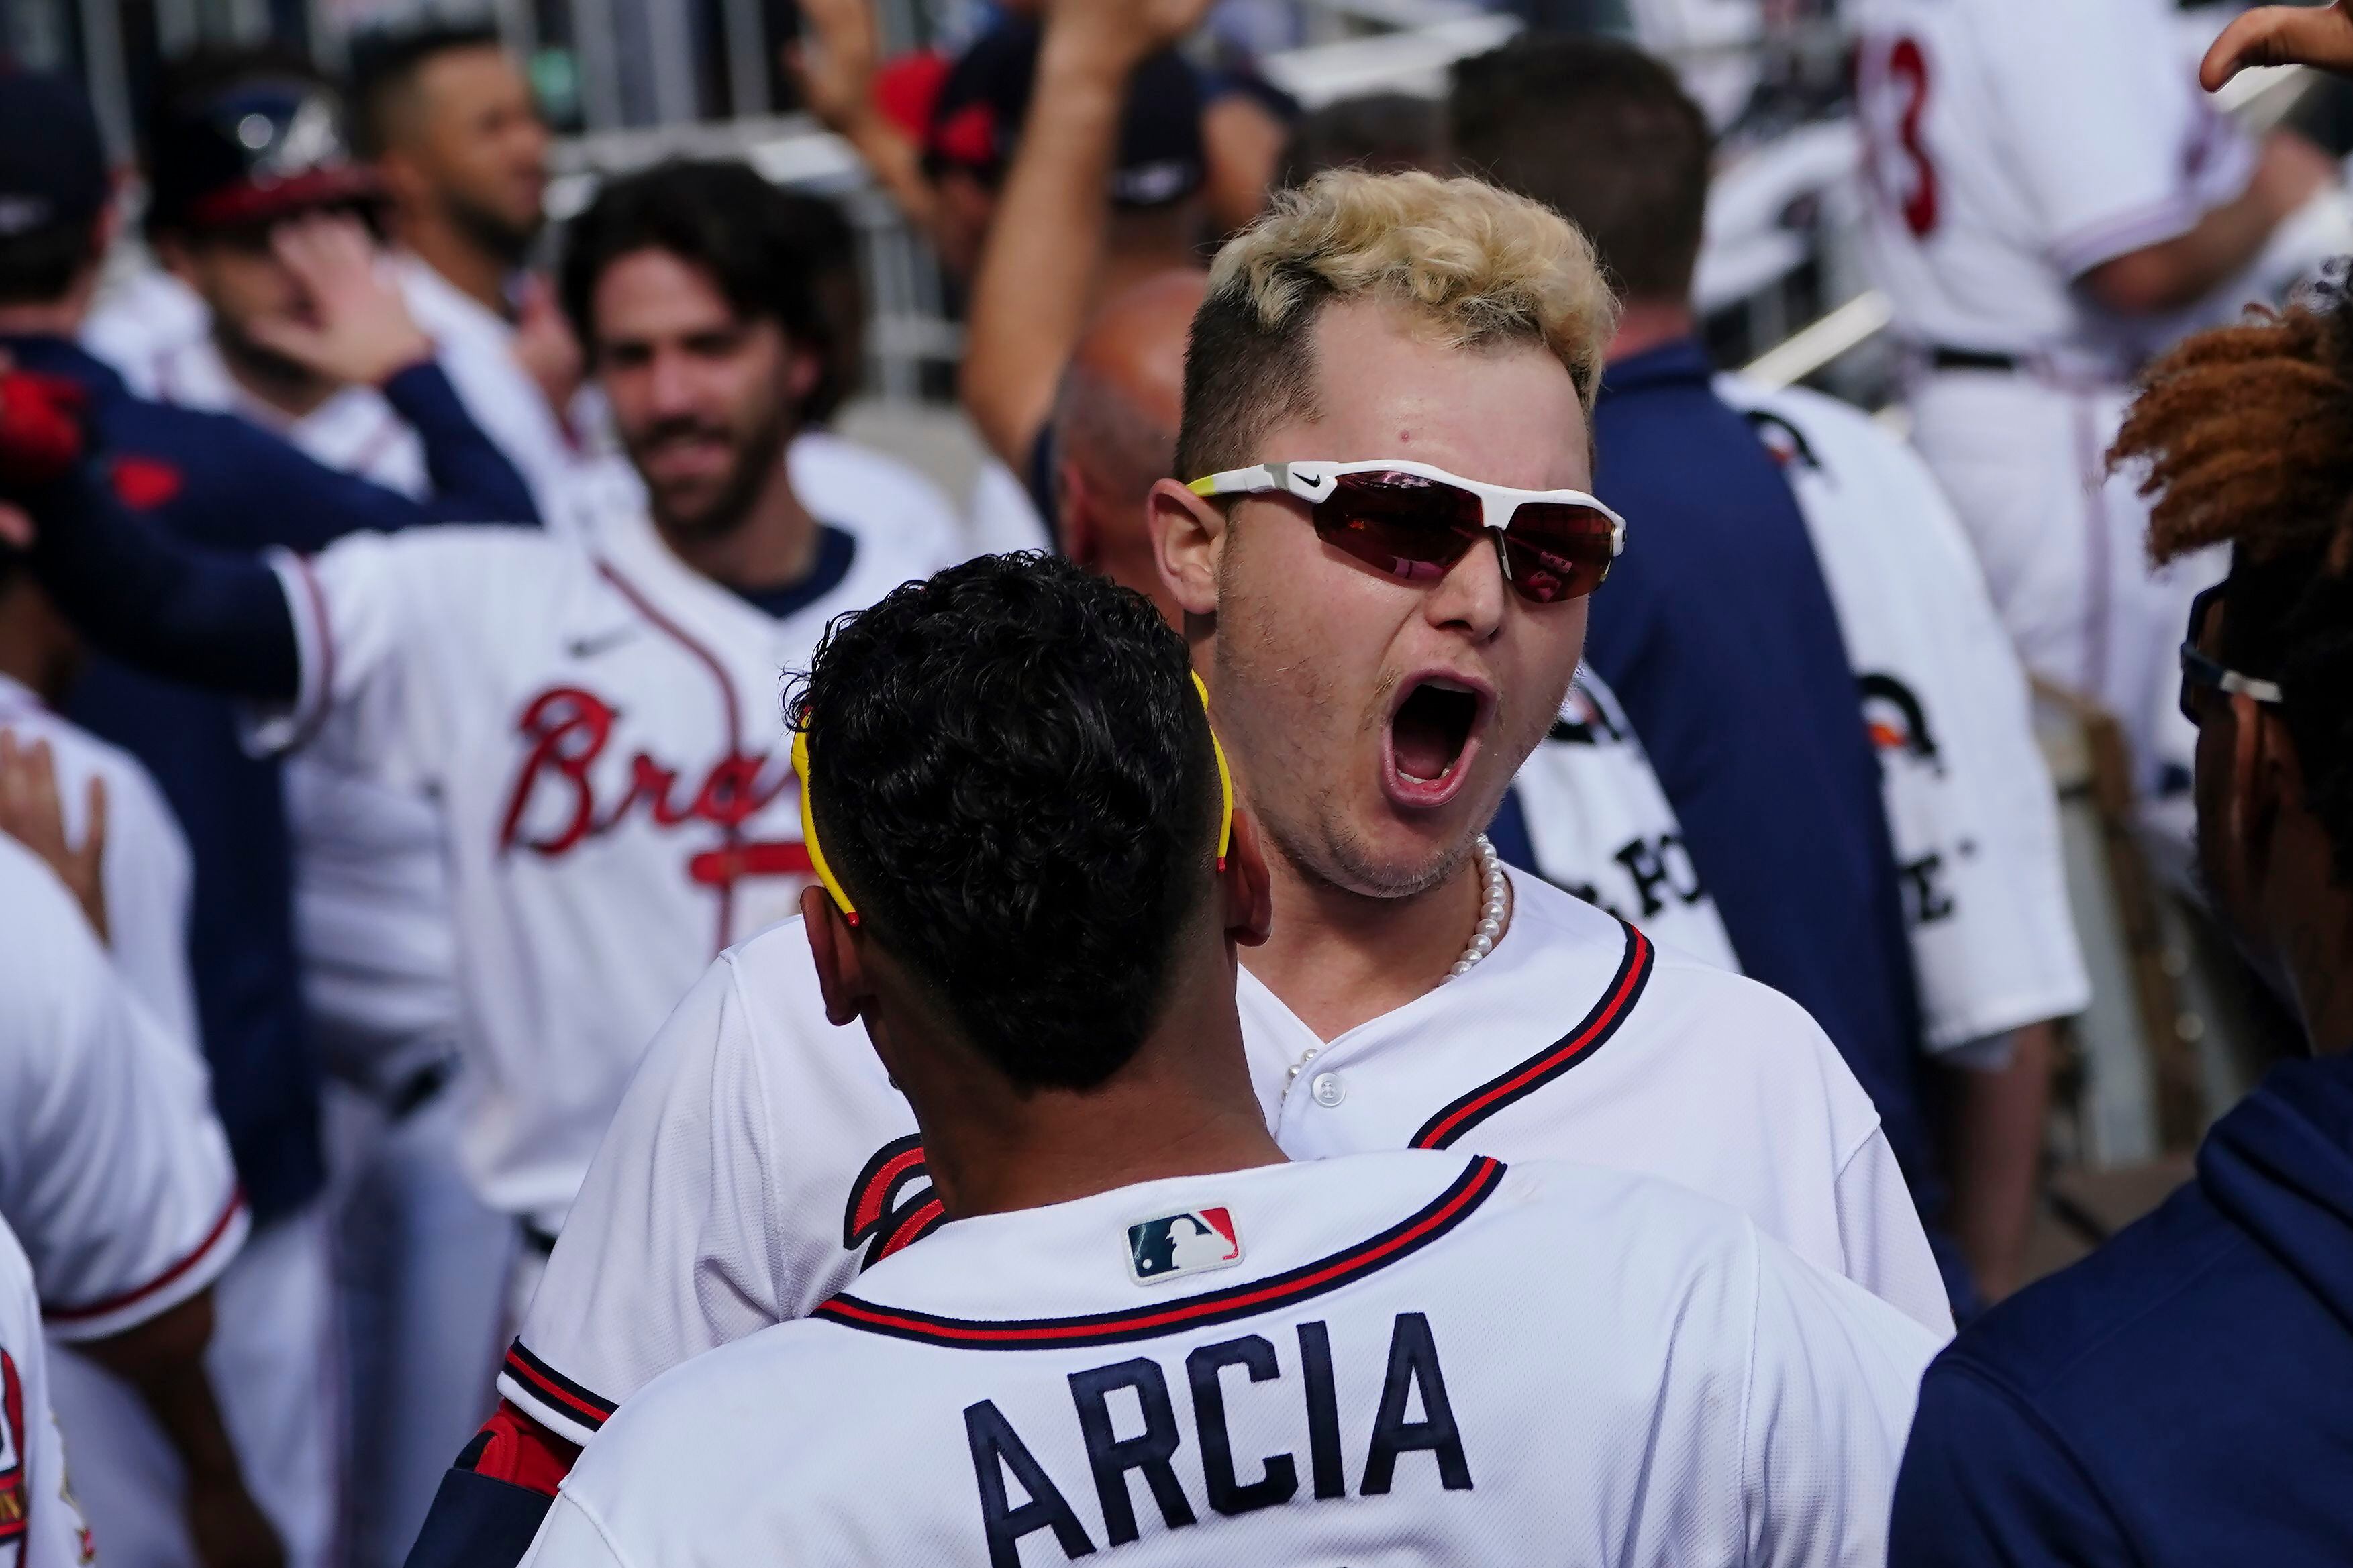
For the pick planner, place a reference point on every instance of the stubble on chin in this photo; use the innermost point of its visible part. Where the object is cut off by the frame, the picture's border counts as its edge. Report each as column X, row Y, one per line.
column 1299, row 798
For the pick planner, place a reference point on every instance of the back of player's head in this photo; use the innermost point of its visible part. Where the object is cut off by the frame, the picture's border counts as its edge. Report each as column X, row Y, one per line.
column 1473, row 264
column 1379, row 132
column 717, row 216
column 385, row 68
column 1012, row 776
column 53, row 186
column 1604, row 135
column 2245, row 435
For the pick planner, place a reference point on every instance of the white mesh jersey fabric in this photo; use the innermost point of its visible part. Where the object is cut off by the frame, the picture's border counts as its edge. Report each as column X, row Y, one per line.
column 601, row 728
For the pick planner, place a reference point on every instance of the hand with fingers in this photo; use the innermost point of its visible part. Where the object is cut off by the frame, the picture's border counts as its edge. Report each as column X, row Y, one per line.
column 545, row 346
column 360, row 331
column 833, row 61
column 32, row 812
column 2317, row 35
column 1130, row 30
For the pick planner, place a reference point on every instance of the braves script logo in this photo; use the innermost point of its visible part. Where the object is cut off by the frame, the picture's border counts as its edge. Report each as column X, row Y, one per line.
column 892, row 1201
column 568, row 731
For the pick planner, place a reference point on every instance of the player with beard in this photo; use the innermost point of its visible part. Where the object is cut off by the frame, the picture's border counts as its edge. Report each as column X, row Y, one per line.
column 594, row 713
column 1380, row 668
column 449, row 119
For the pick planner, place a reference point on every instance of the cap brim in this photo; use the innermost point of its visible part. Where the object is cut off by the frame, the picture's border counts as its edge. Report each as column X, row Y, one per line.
column 256, row 202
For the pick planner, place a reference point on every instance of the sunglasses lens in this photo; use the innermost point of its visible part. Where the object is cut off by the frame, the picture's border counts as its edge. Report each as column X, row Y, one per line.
column 1403, row 524
column 1557, row 551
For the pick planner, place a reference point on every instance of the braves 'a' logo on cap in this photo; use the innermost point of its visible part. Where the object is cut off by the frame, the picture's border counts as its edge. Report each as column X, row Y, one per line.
column 1193, row 1242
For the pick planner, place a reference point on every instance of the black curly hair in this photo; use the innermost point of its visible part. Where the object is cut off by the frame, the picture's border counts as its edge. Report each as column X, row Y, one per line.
column 2244, row 436
column 1013, row 777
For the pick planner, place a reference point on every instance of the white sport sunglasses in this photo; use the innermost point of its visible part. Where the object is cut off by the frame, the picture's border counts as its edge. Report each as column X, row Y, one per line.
column 1415, row 521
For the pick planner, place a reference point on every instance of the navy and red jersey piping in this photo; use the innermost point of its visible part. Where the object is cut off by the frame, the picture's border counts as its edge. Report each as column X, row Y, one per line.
column 83, row 1312
column 1517, row 1083
column 579, row 1403
column 1461, row 1198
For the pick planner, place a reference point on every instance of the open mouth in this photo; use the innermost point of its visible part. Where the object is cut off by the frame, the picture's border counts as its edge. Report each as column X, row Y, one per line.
column 1429, row 734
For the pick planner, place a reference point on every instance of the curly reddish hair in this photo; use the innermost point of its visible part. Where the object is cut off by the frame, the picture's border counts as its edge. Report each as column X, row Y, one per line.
column 2244, row 436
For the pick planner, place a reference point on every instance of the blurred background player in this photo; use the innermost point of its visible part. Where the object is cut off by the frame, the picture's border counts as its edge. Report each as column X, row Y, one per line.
column 940, row 136
column 45, row 1523
column 115, row 1176
column 1725, row 647
column 449, row 122
column 2172, row 1399
column 259, row 234
column 556, row 696
column 1102, row 1132
column 2053, row 201
column 225, row 482
column 1966, row 798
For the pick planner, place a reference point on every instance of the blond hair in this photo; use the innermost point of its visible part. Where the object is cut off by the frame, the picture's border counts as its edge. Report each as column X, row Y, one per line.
column 1474, row 264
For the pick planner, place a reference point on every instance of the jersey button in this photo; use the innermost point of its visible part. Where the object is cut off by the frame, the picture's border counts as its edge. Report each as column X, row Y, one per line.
column 1328, row 1090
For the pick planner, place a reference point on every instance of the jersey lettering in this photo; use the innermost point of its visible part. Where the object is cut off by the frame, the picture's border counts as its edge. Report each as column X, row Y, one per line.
column 568, row 729
column 1660, row 863
column 995, row 1449
column 1413, row 1365
column 1279, row 1473
column 1894, row 84
column 1129, row 1426
column 1112, row 1457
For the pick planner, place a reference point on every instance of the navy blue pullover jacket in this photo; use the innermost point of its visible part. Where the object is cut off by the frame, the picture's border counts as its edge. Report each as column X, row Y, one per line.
column 216, row 480
column 2182, row 1398
column 1716, row 631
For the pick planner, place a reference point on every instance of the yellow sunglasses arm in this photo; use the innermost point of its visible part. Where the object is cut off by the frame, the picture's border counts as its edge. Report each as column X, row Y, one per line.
column 809, row 828
column 1225, row 773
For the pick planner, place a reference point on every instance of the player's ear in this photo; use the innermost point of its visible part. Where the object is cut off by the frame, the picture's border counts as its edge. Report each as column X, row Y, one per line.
column 1246, row 888
column 1189, row 534
column 839, row 976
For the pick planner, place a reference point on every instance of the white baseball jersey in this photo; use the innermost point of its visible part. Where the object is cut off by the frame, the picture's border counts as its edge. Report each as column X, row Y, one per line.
column 1599, row 825
column 762, row 1157
column 2012, row 146
column 370, row 900
column 140, row 313
column 476, row 348
column 1001, row 516
column 114, row 1172
column 145, row 868
column 1392, row 1358
column 601, row 728
column 40, row 1526
column 1970, row 805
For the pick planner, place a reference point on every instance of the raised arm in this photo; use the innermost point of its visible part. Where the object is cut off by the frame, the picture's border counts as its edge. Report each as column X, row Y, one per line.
column 1045, row 248
column 192, row 616
column 364, row 336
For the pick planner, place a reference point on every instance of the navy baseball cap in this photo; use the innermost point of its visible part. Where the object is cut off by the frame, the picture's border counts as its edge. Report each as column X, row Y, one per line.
column 976, row 119
column 52, row 161
column 252, row 151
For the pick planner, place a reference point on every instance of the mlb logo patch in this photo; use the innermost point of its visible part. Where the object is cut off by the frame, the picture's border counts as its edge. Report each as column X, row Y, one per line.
column 1193, row 1242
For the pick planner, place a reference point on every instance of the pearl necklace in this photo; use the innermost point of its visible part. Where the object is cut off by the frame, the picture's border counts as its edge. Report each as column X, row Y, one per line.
column 1495, row 900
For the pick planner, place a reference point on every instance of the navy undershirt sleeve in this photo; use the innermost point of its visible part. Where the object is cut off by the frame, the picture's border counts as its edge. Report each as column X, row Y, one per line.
column 178, row 613
column 472, row 479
